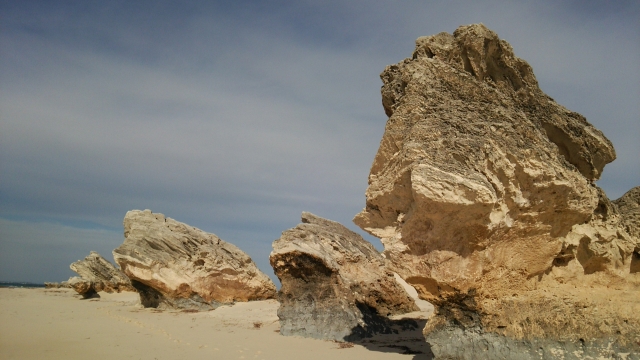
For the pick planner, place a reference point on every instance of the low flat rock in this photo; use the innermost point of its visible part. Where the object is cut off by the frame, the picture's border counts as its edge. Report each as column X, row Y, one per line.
column 174, row 265
column 56, row 285
column 104, row 276
column 335, row 285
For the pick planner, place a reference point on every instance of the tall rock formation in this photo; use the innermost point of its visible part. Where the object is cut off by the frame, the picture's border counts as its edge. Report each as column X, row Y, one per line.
column 334, row 283
column 102, row 274
column 174, row 265
column 483, row 194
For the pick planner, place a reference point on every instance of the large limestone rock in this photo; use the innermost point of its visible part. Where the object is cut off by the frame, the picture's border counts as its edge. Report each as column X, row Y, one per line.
column 174, row 265
column 102, row 274
column 334, row 283
column 483, row 194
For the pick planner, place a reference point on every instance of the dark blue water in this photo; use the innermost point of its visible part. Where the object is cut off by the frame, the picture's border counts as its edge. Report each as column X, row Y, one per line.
column 20, row 284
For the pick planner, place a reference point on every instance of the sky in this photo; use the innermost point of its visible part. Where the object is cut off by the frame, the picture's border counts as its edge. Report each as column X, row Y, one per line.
column 234, row 117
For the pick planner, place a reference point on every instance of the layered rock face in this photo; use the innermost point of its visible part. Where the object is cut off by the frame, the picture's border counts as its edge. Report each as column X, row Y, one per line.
column 334, row 283
column 483, row 194
column 102, row 275
column 174, row 265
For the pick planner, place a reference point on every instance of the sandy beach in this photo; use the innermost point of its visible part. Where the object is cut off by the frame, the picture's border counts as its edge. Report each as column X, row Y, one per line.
column 56, row 324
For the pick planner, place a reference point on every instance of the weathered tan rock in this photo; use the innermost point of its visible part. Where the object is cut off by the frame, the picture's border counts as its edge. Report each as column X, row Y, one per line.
column 482, row 193
column 104, row 276
column 334, row 283
column 174, row 265
column 83, row 287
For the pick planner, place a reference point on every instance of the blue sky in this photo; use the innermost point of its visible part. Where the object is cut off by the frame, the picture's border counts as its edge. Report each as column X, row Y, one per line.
column 235, row 117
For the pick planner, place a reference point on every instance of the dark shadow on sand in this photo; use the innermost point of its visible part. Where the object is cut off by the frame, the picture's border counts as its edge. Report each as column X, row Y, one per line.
column 393, row 336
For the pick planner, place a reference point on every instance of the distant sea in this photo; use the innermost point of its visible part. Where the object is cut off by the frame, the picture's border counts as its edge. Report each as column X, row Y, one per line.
column 8, row 284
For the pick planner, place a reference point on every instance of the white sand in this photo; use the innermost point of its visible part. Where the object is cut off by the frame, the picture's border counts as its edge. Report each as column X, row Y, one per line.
column 56, row 324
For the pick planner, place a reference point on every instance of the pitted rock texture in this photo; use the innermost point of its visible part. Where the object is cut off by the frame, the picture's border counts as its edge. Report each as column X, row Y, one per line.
column 102, row 274
column 335, row 284
column 483, row 194
column 174, row 265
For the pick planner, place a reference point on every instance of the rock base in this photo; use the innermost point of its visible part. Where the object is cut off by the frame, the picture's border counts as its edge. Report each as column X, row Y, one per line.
column 453, row 342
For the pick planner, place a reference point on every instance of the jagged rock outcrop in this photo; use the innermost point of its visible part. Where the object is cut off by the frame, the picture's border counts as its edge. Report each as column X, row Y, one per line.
column 174, row 265
column 334, row 283
column 483, row 194
column 96, row 274
column 102, row 274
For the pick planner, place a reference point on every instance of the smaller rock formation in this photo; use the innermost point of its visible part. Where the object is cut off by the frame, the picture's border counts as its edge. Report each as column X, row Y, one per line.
column 174, row 265
column 334, row 283
column 96, row 274
column 83, row 287
column 102, row 274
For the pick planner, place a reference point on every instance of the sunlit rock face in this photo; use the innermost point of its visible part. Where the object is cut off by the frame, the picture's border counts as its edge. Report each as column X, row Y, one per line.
column 483, row 194
column 335, row 285
column 174, row 265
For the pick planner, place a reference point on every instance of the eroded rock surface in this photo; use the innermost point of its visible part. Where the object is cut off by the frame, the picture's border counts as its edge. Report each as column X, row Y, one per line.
column 334, row 283
column 102, row 274
column 483, row 194
column 175, row 265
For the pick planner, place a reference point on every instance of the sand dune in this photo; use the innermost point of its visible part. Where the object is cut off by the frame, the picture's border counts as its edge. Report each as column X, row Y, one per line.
column 56, row 324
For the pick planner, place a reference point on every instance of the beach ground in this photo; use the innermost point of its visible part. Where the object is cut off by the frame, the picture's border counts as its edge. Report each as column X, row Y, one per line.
column 57, row 324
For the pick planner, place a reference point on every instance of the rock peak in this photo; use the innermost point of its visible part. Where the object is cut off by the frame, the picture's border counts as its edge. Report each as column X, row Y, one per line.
column 478, row 51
